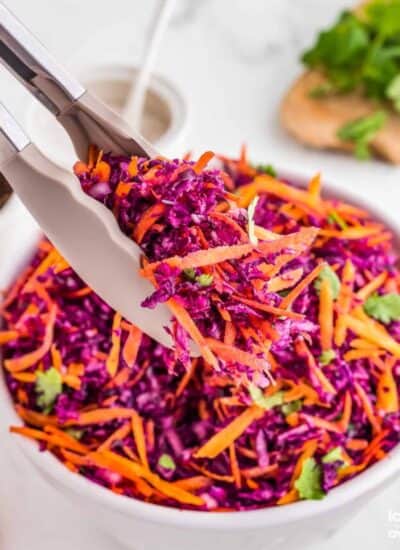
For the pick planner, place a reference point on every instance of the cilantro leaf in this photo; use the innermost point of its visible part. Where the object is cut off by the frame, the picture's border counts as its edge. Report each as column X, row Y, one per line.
column 267, row 169
column 384, row 16
column 361, row 131
column 265, row 402
column 308, row 483
column 166, row 461
column 327, row 357
column 334, row 455
column 393, row 92
column 204, row 279
column 250, row 220
column 328, row 273
column 384, row 308
column 48, row 387
column 292, row 407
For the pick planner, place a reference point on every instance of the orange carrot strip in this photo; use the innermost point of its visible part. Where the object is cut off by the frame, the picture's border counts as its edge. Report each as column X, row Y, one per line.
column 235, row 466
column 322, row 423
column 146, row 222
column 225, row 437
column 131, row 470
column 203, row 161
column 99, row 416
column 289, row 497
column 356, row 444
column 372, row 333
column 232, row 354
column 56, row 358
column 372, row 286
column 303, row 350
column 279, row 311
column 36, row 419
column 102, row 171
column 267, row 184
column 8, row 336
column 359, row 343
column 218, row 254
column 387, row 394
column 304, row 283
column 132, row 345
column 69, row 441
column 355, row 354
column 138, row 434
column 186, row 377
column 232, row 224
column 344, row 421
column 368, row 408
column 189, row 325
column 326, row 314
column 25, row 361
column 27, row 377
column 314, row 188
column 113, row 356
column 193, row 483
column 352, row 233
column 55, row 440
column 133, row 167
column 282, row 282
column 344, row 301
column 119, row 434
column 80, row 168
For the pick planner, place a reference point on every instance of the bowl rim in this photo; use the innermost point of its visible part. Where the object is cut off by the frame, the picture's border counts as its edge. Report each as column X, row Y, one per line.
column 50, row 468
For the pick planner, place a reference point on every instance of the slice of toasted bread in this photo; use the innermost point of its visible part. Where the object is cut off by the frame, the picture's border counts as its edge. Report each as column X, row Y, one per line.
column 316, row 121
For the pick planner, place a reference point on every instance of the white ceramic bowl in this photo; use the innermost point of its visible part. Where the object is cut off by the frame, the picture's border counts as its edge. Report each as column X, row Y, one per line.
column 136, row 525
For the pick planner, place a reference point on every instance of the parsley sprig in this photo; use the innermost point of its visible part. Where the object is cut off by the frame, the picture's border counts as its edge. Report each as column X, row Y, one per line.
column 361, row 51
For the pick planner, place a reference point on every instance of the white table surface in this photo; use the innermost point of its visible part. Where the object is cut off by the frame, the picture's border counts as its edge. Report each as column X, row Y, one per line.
column 232, row 59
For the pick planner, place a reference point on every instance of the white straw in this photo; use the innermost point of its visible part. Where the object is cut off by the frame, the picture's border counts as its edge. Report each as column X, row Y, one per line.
column 133, row 109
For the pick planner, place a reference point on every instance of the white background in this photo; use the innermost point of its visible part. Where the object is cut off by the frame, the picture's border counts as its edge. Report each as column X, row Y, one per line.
column 233, row 60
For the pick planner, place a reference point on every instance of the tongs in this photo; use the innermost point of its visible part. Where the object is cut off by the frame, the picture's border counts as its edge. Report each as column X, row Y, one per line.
column 82, row 229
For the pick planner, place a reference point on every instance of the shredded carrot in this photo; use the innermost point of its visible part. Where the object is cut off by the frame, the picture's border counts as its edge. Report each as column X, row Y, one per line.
column 225, row 437
column 8, row 336
column 303, row 350
column 368, row 408
column 373, row 334
column 372, row 286
column 80, row 168
column 133, row 167
column 27, row 377
column 351, row 233
column 285, row 281
column 367, row 353
column 138, row 434
column 309, row 449
column 25, row 361
column 314, row 189
column 98, row 416
column 387, row 393
column 233, row 354
column 304, row 283
column 291, row 496
column 326, row 314
column 132, row 345
column 356, row 444
column 235, row 466
column 218, row 254
column 186, row 378
column 113, row 357
column 146, row 222
column 120, row 433
column 51, row 439
column 279, row 311
column 131, row 470
column 344, row 301
column 203, row 161
column 193, row 483
column 34, row 418
column 102, row 171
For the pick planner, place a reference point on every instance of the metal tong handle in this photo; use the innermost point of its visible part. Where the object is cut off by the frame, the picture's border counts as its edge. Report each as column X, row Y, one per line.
column 31, row 63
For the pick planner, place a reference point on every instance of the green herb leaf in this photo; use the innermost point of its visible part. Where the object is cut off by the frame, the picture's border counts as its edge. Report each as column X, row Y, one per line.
column 328, row 273
column 265, row 402
column 48, row 387
column 334, row 455
column 166, row 461
column 334, row 218
column 292, row 407
column 267, row 169
column 250, row 220
column 384, row 308
column 361, row 131
column 322, row 90
column 308, row 483
column 393, row 92
column 327, row 357
column 204, row 279
column 190, row 273
column 384, row 17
